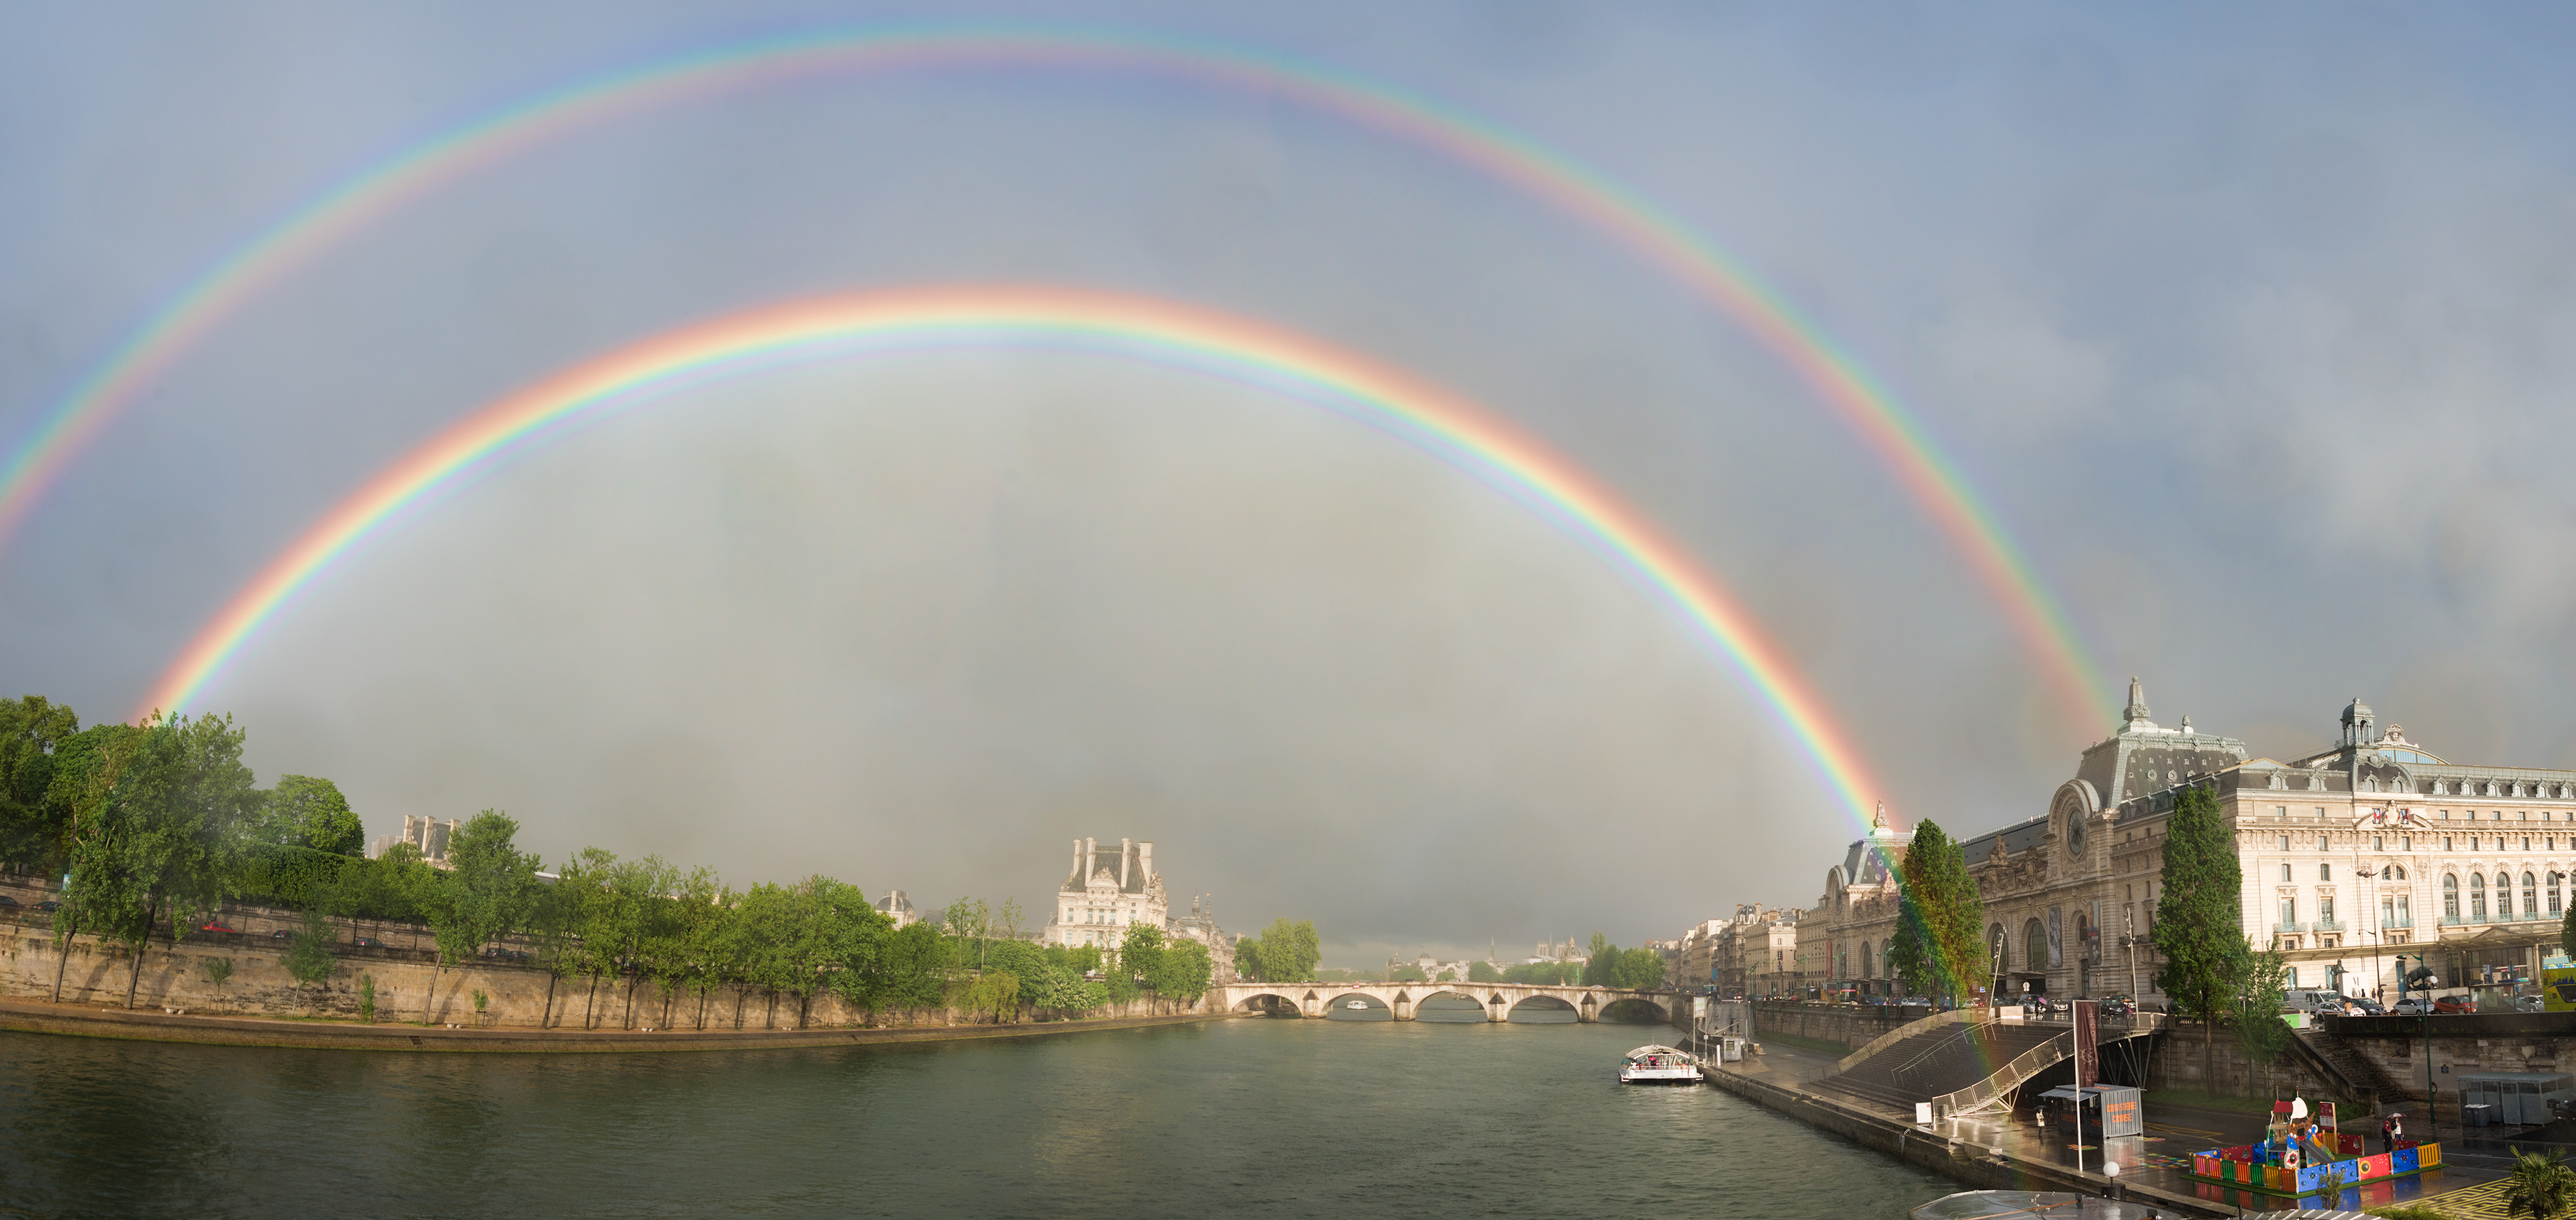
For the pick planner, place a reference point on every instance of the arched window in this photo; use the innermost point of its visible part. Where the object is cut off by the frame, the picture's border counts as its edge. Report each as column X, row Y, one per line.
column 2451, row 896
column 2555, row 879
column 2530, row 896
column 2034, row 945
column 2478, row 897
column 1865, row 971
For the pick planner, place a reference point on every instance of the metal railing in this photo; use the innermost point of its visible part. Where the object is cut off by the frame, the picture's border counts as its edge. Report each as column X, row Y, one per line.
column 1986, row 1094
column 2330, row 925
column 1991, row 1091
column 2289, row 925
column 1956, row 1016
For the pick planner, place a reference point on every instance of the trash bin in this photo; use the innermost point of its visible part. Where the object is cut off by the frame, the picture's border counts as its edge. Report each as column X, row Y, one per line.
column 2475, row 1115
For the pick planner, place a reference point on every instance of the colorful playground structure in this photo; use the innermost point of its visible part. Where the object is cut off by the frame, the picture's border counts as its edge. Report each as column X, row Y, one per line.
column 2301, row 1156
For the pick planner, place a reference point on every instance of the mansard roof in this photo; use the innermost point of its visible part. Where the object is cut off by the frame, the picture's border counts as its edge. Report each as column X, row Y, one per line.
column 2020, row 836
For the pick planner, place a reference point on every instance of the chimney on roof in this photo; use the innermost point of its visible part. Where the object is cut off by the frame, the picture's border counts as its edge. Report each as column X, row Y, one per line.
column 1126, row 848
column 1090, row 859
column 1144, row 863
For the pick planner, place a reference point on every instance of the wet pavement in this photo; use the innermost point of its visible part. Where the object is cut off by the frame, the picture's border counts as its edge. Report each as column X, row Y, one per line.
column 2161, row 1158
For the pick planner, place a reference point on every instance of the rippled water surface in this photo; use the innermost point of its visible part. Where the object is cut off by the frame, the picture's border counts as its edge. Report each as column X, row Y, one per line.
column 1237, row 1118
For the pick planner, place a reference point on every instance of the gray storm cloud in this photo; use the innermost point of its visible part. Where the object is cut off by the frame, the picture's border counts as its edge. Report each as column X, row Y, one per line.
column 2255, row 332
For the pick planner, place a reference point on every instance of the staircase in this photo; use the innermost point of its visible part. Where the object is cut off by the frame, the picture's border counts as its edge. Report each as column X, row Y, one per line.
column 1939, row 1061
column 2343, row 1069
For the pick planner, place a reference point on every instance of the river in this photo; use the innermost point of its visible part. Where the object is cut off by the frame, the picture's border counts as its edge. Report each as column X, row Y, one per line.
column 1237, row 1118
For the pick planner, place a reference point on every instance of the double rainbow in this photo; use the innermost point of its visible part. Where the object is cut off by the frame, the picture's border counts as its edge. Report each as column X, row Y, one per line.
column 1930, row 478
column 915, row 319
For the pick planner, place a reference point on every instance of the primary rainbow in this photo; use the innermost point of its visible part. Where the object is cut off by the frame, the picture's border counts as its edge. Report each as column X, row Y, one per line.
column 1929, row 478
column 945, row 316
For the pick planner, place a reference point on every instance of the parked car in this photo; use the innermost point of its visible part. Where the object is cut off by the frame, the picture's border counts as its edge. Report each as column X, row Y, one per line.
column 2410, row 1006
column 2117, row 1006
column 49, row 906
column 8, row 903
column 2369, row 1007
column 282, row 934
column 2529, row 1003
column 2454, row 1003
column 366, row 942
column 215, row 927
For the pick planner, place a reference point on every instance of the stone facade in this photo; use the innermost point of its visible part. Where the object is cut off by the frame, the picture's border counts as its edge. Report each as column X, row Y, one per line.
column 1750, row 953
column 1105, row 894
column 2368, row 848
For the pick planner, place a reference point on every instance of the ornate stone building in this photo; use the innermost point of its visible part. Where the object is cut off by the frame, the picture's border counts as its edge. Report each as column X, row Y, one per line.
column 1843, row 938
column 1106, row 893
column 2371, row 847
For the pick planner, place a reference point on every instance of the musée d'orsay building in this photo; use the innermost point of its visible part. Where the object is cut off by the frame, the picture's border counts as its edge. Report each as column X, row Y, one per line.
column 2371, row 847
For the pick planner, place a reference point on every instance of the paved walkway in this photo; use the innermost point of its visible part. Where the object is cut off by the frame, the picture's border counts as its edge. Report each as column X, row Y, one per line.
column 2161, row 1158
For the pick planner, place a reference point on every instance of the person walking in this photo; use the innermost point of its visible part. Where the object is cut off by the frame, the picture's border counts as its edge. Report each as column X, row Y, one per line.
column 2392, row 1131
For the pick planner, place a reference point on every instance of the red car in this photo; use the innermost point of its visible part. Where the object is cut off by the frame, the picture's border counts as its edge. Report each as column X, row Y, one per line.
column 366, row 942
column 215, row 927
column 2454, row 1003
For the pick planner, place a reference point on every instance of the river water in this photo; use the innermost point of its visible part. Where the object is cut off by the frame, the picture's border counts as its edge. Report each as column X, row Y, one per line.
column 1237, row 1118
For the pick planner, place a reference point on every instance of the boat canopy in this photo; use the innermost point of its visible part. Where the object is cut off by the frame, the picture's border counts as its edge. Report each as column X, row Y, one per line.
column 1654, row 1048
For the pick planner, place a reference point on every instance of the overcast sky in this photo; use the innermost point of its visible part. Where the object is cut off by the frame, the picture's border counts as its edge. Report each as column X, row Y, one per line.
column 2257, row 331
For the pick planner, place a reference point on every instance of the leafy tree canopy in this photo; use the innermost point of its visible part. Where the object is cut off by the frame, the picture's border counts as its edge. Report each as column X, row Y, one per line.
column 303, row 811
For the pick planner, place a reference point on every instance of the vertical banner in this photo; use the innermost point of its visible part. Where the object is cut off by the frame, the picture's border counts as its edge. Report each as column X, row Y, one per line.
column 2088, row 1046
column 2056, row 939
column 2326, row 1115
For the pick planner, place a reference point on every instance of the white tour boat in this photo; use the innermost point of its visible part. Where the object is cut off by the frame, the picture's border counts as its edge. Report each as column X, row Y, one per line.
column 1655, row 1064
column 1361, row 1004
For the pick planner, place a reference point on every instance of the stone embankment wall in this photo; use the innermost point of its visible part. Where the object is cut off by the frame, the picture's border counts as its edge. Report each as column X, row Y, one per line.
column 1852, row 1025
column 409, row 984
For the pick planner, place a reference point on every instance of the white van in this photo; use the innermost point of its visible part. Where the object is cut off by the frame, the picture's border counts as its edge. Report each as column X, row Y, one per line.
column 2314, row 1002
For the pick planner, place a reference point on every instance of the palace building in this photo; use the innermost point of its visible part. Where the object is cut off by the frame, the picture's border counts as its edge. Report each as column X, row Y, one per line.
column 1105, row 893
column 2368, row 848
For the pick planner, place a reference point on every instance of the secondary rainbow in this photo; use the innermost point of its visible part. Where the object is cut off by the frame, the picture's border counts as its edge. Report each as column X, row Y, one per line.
column 1932, row 480
column 1423, row 413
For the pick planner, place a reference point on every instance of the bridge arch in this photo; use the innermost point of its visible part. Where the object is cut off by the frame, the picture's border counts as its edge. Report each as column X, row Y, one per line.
column 1541, row 1002
column 1636, row 1009
column 1254, row 1001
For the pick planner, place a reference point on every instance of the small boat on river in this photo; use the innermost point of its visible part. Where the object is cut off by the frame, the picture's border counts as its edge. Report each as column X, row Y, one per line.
column 1356, row 1004
column 1658, row 1064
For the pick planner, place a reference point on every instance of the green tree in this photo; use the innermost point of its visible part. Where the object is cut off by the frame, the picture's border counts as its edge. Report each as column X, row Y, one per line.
column 2197, row 922
column 1287, row 952
column 302, row 811
column 2259, row 981
column 2567, row 932
column 1140, row 957
column 32, row 731
column 1640, row 970
column 1247, row 959
column 309, row 957
column 489, row 887
column 2540, row 1183
column 1940, row 945
column 1483, row 972
column 1183, row 971
column 1601, row 968
column 916, row 968
column 166, row 805
column 995, row 992
column 219, row 971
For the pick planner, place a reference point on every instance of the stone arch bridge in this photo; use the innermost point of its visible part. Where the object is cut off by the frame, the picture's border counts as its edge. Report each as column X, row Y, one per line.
column 1497, row 999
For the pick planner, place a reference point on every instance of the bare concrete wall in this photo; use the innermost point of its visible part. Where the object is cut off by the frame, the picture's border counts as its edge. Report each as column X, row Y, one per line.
column 1852, row 1025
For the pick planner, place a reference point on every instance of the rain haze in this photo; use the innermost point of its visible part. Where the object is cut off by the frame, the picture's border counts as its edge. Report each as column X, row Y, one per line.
column 2253, row 333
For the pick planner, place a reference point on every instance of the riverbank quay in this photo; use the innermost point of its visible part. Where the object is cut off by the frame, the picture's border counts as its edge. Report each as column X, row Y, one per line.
column 2008, row 1151
column 1979, row 1152
column 144, row 1025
